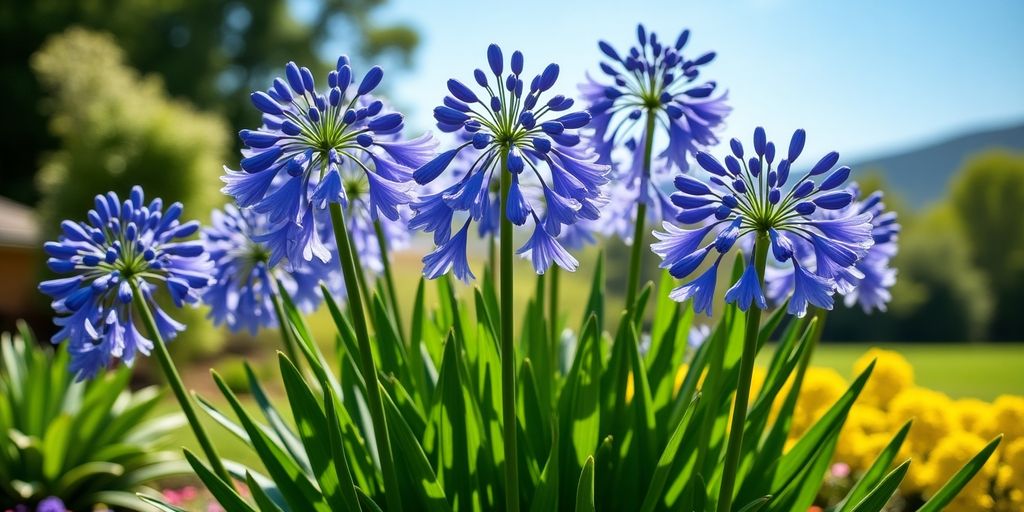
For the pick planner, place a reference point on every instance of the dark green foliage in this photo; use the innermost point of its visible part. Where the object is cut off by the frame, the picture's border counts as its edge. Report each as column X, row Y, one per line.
column 85, row 442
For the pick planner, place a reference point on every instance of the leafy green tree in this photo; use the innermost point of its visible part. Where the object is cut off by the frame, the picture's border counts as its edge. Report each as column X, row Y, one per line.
column 118, row 129
column 940, row 295
column 988, row 197
column 208, row 51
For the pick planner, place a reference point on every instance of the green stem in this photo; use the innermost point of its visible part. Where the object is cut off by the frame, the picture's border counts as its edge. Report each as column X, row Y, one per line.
column 508, row 352
column 375, row 402
column 389, row 280
column 282, row 326
column 553, row 311
column 639, row 233
column 178, row 387
column 739, row 411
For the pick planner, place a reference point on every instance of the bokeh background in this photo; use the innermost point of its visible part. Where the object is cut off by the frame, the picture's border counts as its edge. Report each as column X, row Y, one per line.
column 923, row 99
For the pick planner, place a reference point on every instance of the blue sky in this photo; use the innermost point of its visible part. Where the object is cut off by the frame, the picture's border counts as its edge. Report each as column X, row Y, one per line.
column 863, row 78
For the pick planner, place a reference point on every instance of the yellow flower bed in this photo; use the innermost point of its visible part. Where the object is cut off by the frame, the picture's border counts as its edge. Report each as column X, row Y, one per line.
column 946, row 433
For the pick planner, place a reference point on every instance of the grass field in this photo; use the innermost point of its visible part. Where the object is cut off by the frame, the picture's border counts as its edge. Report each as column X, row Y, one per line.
column 978, row 370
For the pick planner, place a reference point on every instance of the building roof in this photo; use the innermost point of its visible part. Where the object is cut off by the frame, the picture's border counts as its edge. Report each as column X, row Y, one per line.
column 18, row 225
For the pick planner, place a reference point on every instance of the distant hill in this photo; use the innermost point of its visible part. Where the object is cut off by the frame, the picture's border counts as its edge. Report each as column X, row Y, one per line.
column 922, row 175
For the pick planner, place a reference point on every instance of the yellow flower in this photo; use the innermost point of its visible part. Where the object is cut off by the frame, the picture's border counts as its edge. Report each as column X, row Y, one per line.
column 820, row 390
column 892, row 374
column 1011, row 473
column 858, row 443
column 1007, row 417
column 933, row 417
column 973, row 415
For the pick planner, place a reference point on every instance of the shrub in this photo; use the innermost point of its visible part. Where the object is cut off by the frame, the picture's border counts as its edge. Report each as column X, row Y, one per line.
column 83, row 442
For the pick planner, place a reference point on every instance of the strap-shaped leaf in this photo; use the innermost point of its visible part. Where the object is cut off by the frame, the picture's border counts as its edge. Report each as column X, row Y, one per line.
column 337, row 443
column 262, row 499
column 956, row 483
column 159, row 504
column 756, row 505
column 876, row 499
column 414, row 461
column 225, row 495
column 874, row 474
column 585, row 488
column 315, row 433
column 546, row 497
column 668, row 458
column 289, row 476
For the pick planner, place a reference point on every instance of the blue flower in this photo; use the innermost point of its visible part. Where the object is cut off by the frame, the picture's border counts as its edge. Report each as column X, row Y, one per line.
column 122, row 244
column 747, row 198
column 869, row 280
column 555, row 182
column 51, row 504
column 339, row 145
column 651, row 80
column 244, row 281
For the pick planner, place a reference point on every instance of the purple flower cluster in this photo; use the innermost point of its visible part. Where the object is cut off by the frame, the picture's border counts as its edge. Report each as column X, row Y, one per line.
column 556, row 181
column 869, row 281
column 758, row 197
column 244, row 280
column 125, row 247
column 653, row 88
column 315, row 148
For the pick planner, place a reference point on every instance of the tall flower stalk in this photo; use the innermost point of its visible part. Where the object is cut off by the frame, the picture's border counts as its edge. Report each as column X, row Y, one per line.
column 755, row 203
column 124, row 255
column 335, row 151
column 543, row 177
column 653, row 90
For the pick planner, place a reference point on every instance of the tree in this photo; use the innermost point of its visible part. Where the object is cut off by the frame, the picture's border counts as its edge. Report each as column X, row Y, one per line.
column 988, row 199
column 939, row 295
column 211, row 52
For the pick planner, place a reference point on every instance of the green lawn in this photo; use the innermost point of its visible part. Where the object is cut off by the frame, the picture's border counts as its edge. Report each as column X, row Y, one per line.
column 978, row 370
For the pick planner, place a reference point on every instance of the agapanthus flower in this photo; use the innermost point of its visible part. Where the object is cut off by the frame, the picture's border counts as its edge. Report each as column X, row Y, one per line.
column 51, row 504
column 244, row 281
column 869, row 282
column 316, row 148
column 652, row 87
column 124, row 247
column 555, row 181
column 755, row 198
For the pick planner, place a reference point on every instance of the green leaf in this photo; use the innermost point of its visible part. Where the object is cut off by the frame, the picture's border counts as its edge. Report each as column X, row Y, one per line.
column 668, row 458
column 159, row 504
column 876, row 499
column 757, row 504
column 585, row 489
column 224, row 494
column 414, row 461
column 263, row 501
column 874, row 474
column 313, row 430
column 286, row 472
column 280, row 427
column 454, row 433
column 337, row 444
column 579, row 402
column 954, row 485
column 546, row 497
